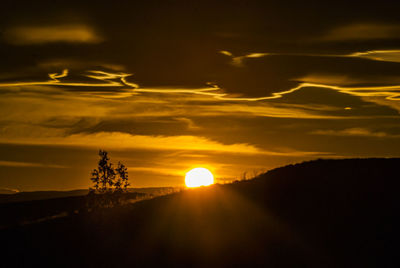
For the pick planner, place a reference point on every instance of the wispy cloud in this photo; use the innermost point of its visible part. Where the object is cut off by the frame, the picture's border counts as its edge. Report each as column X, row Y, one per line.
column 110, row 80
column 60, row 63
column 379, row 55
column 28, row 164
column 357, row 132
column 155, row 102
column 118, row 140
column 362, row 31
column 388, row 92
column 238, row 60
column 124, row 141
column 43, row 34
column 350, row 81
column 103, row 79
column 306, row 111
column 390, row 55
column 107, row 79
column 331, row 79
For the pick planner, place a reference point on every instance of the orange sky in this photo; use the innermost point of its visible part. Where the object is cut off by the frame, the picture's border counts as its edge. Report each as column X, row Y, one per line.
column 165, row 88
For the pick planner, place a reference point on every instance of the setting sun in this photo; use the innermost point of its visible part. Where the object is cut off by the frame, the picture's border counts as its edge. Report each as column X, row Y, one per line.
column 199, row 177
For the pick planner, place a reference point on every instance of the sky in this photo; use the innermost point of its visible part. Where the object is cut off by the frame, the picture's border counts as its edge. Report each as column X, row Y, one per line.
column 167, row 86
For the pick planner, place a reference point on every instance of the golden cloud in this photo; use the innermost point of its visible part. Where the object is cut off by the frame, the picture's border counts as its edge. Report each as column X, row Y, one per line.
column 358, row 132
column 28, row 164
column 118, row 140
column 362, row 31
column 123, row 141
column 238, row 61
column 379, row 55
column 36, row 35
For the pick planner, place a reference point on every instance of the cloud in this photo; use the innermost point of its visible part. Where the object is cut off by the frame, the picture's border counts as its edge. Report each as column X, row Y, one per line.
column 59, row 63
column 118, row 140
column 384, row 102
column 189, row 122
column 238, row 61
column 264, row 76
column 28, row 164
column 100, row 79
column 363, row 31
column 379, row 55
column 124, row 141
column 37, row 104
column 306, row 111
column 226, row 53
column 357, row 132
column 37, row 35
column 347, row 80
column 390, row 55
column 388, row 92
column 331, row 79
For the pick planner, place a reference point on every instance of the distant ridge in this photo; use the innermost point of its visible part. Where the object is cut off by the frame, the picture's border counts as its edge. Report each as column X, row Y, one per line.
column 41, row 195
column 8, row 191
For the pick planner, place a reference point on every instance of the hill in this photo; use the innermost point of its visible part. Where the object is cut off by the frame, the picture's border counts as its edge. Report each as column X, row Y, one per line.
column 324, row 213
column 30, row 207
column 41, row 195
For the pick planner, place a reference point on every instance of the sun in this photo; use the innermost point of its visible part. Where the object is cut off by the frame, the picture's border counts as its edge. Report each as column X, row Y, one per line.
column 199, row 177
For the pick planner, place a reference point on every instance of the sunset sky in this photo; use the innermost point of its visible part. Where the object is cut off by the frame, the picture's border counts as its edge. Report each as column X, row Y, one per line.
column 166, row 86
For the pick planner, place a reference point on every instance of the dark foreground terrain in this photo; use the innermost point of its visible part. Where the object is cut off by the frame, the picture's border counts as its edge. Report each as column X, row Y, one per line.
column 41, row 195
column 325, row 213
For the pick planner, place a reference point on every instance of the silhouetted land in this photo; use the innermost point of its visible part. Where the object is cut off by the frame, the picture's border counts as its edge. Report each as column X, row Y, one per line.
column 324, row 213
column 40, row 195
column 30, row 207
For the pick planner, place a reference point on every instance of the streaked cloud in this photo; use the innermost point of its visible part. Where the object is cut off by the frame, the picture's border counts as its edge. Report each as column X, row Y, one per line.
column 28, row 164
column 350, row 81
column 59, row 63
column 226, row 53
column 117, row 140
column 272, row 110
column 331, row 79
column 388, row 92
column 44, row 34
column 363, row 31
column 238, row 60
column 123, row 141
column 245, row 84
column 119, row 99
column 107, row 79
column 357, row 132
column 379, row 55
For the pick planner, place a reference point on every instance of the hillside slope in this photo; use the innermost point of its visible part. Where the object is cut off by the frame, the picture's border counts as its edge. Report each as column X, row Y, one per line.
column 43, row 195
column 325, row 213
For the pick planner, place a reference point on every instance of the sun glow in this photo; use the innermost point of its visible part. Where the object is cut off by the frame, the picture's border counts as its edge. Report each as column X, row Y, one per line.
column 199, row 177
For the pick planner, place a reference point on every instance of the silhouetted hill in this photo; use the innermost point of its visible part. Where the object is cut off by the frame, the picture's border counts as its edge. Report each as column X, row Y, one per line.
column 29, row 212
column 324, row 213
column 40, row 195
column 30, row 207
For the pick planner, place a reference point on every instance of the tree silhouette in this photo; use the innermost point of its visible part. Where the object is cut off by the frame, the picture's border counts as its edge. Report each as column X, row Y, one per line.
column 109, row 183
column 122, row 183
